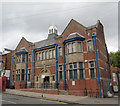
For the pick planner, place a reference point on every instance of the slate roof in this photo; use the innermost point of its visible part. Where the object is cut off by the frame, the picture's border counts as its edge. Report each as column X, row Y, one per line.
column 90, row 27
column 75, row 34
column 45, row 42
column 30, row 43
column 51, row 38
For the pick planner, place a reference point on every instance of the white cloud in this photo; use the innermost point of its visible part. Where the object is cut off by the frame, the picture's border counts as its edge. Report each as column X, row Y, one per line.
column 32, row 20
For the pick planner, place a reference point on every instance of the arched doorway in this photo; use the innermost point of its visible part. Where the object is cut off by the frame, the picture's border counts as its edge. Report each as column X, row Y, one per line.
column 47, row 80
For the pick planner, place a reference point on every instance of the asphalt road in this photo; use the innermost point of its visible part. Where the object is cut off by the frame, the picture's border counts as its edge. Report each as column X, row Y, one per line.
column 15, row 99
column 20, row 100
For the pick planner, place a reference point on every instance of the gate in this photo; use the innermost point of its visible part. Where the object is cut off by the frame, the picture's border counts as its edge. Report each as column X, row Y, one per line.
column 107, row 87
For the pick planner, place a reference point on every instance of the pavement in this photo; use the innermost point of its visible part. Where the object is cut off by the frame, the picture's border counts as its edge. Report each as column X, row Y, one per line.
column 16, row 99
column 64, row 98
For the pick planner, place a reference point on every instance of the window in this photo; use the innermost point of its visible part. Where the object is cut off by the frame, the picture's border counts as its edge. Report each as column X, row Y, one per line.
column 91, row 64
column 40, row 56
column 60, row 72
column 29, row 75
column 113, row 74
column 71, row 74
column 60, row 51
column 79, row 47
column 50, row 54
column 81, row 70
column 37, row 57
column 69, row 48
column 75, row 74
column 43, row 55
column 60, row 75
column 54, row 53
column 75, row 65
column 36, row 78
column 60, row 67
column 29, row 57
column 23, row 58
column 92, row 73
column 75, row 70
column 18, row 58
column 80, row 65
column 47, row 56
column 22, row 76
column 81, row 73
column 90, row 45
column 70, row 65
column 53, row 78
column 74, row 47
column 17, row 75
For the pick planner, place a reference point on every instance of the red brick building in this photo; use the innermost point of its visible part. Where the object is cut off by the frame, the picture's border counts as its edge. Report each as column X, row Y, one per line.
column 75, row 62
column 115, row 75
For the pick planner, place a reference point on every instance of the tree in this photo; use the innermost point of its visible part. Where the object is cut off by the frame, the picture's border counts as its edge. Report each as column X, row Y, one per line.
column 115, row 59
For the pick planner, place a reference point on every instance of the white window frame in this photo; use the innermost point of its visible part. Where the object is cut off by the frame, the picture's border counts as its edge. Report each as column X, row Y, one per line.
column 74, row 46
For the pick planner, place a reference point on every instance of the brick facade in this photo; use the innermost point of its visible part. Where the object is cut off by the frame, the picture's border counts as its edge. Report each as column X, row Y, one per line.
column 82, row 79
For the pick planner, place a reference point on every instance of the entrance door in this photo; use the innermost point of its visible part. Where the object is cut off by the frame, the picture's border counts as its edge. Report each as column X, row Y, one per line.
column 46, row 82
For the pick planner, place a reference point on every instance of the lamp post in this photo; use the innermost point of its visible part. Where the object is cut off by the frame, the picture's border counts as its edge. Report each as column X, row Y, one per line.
column 43, row 76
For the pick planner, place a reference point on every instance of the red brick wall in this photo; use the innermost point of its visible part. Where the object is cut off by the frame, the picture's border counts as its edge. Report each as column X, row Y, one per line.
column 44, row 91
column 19, row 85
column 7, row 61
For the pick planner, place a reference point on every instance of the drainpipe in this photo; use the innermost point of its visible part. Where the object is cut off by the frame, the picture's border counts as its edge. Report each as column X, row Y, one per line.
column 26, row 70
column 11, row 70
column 32, row 68
column 94, row 37
column 56, row 67
column 64, row 66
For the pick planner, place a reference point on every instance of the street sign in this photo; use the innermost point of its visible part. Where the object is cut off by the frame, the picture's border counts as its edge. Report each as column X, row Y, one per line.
column 43, row 76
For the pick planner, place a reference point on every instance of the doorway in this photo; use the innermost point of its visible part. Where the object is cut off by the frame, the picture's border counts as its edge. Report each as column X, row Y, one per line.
column 46, row 79
column 46, row 82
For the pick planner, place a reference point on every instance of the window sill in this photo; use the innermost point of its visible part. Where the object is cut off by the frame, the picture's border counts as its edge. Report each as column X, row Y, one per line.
column 60, row 56
column 44, row 60
column 80, row 52
column 81, row 78
column 92, row 78
column 90, row 51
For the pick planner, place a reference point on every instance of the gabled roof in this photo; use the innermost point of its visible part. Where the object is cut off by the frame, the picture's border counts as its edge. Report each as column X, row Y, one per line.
column 51, row 39
column 72, row 20
column 29, row 43
column 87, row 28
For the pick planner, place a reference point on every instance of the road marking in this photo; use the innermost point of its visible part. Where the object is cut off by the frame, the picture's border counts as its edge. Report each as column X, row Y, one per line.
column 9, row 101
column 53, row 101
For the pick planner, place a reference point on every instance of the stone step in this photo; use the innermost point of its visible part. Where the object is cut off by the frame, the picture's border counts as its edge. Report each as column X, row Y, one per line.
column 63, row 92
